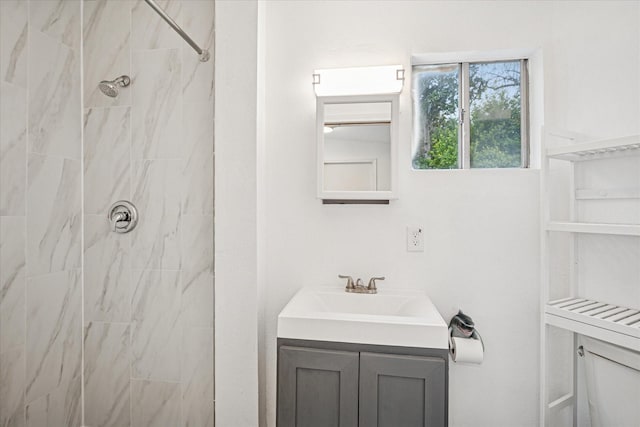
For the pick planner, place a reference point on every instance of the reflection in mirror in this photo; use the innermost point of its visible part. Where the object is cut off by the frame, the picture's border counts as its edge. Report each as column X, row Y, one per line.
column 357, row 157
column 357, row 147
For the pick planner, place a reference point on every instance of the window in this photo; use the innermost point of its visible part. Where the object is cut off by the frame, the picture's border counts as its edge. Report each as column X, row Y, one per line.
column 470, row 115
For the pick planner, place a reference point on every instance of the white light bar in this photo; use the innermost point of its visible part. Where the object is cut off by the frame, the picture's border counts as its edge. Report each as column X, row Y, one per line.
column 359, row 80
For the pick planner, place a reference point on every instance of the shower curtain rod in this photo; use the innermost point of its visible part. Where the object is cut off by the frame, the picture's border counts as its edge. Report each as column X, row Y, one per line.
column 204, row 54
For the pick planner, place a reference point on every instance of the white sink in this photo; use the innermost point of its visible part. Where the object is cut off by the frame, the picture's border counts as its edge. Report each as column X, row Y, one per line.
column 391, row 317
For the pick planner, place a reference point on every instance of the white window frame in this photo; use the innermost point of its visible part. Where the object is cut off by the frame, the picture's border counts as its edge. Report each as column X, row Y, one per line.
column 531, row 96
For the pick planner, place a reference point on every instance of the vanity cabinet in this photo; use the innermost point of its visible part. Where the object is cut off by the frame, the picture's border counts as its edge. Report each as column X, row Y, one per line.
column 317, row 387
column 327, row 384
column 397, row 390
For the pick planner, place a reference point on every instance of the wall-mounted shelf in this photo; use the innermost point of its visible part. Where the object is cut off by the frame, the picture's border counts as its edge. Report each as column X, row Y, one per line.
column 612, row 323
column 598, row 189
column 593, row 228
column 607, row 193
column 629, row 145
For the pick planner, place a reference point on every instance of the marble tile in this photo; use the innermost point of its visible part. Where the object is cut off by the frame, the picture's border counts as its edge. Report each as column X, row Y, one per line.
column 197, row 377
column 37, row 412
column 197, row 271
column 156, row 329
column 155, row 404
column 60, row 407
column 156, row 104
column 54, row 98
column 106, row 29
column 197, row 152
column 53, row 217
column 149, row 30
column 13, row 41
column 12, row 283
column 13, row 149
column 107, row 272
column 155, row 244
column 12, row 388
column 58, row 19
column 107, row 158
column 106, row 375
column 197, row 77
column 198, row 301
column 54, row 342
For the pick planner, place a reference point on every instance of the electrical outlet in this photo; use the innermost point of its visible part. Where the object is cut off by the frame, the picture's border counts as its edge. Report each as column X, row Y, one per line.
column 415, row 239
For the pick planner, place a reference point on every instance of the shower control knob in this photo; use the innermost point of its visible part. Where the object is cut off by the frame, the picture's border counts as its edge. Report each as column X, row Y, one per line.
column 123, row 216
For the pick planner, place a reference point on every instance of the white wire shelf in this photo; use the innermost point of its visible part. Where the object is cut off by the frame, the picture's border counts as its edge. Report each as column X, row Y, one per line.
column 608, row 322
column 629, row 145
column 594, row 228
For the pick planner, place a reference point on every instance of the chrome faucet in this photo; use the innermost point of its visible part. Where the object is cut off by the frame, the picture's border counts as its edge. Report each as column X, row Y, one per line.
column 359, row 287
column 372, row 284
column 350, row 286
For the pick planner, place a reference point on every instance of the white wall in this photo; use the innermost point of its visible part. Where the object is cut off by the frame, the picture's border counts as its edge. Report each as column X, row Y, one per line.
column 236, row 261
column 481, row 226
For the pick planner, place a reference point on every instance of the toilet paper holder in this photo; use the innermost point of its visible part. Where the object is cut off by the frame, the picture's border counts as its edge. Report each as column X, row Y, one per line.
column 462, row 326
column 462, row 333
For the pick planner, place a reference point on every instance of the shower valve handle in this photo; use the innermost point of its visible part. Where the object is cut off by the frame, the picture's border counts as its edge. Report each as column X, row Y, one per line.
column 123, row 216
column 117, row 218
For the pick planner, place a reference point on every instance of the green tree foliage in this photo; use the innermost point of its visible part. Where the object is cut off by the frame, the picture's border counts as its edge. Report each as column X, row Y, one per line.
column 444, row 148
column 437, row 96
column 495, row 117
column 495, row 132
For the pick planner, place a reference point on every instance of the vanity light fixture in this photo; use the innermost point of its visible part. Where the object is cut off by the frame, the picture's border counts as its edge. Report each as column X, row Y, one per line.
column 386, row 79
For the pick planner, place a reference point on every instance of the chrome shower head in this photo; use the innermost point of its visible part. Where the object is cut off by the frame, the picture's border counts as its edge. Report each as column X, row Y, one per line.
column 110, row 87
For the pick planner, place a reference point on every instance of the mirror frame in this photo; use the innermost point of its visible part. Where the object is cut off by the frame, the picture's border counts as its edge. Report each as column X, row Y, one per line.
column 321, row 101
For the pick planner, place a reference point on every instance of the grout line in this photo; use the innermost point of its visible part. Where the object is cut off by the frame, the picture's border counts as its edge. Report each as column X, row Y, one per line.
column 213, row 213
column 156, row 49
column 180, row 235
column 59, row 40
column 82, row 217
column 52, row 156
column 50, row 273
column 15, row 85
column 131, row 188
column 150, row 380
column 104, row 107
column 168, row 270
column 109, row 322
column 26, row 206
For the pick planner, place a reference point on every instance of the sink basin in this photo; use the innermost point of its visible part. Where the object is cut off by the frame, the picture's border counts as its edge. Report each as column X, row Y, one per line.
column 404, row 318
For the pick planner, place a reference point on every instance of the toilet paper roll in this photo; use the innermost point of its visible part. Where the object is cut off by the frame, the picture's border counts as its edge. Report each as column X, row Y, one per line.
column 466, row 350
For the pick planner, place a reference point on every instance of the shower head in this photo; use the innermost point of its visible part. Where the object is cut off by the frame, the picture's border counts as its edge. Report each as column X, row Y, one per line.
column 110, row 87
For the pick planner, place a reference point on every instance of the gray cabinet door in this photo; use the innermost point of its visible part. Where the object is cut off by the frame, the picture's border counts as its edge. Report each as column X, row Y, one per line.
column 317, row 388
column 402, row 391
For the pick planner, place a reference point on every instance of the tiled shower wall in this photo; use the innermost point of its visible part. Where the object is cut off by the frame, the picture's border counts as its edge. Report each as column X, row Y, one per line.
column 148, row 294
column 40, row 213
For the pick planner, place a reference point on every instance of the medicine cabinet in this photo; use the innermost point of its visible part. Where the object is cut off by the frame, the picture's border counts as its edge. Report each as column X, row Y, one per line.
column 356, row 145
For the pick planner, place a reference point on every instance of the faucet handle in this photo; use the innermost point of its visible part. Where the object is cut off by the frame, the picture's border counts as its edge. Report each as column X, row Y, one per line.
column 350, row 284
column 123, row 216
column 372, row 283
column 119, row 217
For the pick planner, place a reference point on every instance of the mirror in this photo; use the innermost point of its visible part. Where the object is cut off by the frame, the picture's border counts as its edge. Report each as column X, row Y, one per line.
column 356, row 147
